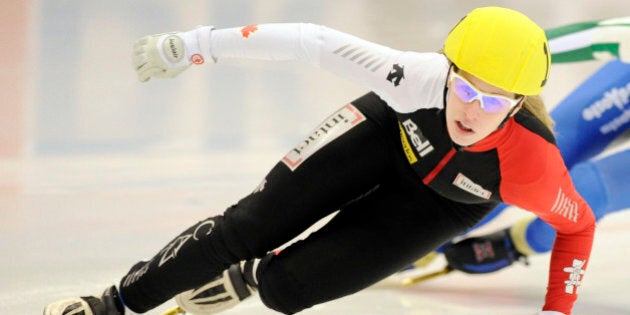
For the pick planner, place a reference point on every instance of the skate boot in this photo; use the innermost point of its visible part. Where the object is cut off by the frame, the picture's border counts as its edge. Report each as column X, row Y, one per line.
column 108, row 304
column 226, row 291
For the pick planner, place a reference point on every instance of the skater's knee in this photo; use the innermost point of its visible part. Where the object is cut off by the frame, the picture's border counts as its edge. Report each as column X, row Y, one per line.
column 243, row 225
column 225, row 240
column 278, row 289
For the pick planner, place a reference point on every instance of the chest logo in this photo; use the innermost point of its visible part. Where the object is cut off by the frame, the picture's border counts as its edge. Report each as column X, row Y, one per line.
column 466, row 184
column 418, row 141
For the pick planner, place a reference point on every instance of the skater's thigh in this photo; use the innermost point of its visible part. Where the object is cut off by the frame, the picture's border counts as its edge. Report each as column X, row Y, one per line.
column 364, row 243
column 348, row 155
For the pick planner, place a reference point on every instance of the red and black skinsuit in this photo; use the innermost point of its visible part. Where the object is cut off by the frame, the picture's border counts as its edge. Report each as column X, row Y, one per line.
column 386, row 161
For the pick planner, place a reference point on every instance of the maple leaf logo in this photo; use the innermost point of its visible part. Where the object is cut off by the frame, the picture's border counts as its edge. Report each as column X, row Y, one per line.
column 248, row 30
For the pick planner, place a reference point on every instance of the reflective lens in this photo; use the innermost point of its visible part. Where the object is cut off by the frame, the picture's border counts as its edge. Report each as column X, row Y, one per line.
column 490, row 103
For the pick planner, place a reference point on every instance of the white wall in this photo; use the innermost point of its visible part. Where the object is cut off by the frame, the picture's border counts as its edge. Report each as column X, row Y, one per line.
column 84, row 96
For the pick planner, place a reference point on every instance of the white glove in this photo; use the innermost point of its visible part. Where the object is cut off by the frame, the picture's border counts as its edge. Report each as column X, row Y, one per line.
column 167, row 55
column 549, row 313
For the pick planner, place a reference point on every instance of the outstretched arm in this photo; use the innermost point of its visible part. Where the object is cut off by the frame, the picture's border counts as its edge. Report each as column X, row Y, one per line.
column 394, row 75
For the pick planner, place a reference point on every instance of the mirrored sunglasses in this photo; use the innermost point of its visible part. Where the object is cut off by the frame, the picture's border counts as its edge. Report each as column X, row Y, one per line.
column 490, row 103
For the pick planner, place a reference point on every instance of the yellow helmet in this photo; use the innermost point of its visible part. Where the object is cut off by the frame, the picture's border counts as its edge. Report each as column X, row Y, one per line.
column 502, row 47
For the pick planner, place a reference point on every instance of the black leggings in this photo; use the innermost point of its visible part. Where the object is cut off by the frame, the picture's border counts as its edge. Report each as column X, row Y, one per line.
column 388, row 218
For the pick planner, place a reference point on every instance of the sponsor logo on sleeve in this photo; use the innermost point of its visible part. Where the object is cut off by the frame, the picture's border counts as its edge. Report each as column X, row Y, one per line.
column 333, row 127
column 396, row 74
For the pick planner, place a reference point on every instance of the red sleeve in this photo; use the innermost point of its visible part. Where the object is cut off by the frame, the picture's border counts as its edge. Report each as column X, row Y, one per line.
column 536, row 179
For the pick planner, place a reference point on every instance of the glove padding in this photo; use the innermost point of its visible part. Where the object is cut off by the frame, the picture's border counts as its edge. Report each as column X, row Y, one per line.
column 169, row 54
column 549, row 313
column 483, row 254
column 222, row 293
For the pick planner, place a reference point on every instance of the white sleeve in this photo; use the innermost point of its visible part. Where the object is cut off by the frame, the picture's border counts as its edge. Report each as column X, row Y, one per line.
column 403, row 79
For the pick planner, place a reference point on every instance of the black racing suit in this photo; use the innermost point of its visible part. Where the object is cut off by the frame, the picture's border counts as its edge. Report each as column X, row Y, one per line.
column 388, row 219
column 387, row 163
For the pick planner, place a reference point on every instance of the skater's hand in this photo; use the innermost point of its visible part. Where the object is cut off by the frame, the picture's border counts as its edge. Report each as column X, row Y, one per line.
column 169, row 54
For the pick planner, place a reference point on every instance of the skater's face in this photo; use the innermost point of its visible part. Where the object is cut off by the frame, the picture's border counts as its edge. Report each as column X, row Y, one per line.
column 475, row 108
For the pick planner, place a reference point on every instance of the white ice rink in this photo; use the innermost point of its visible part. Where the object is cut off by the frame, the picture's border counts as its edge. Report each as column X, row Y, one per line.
column 111, row 169
column 72, row 226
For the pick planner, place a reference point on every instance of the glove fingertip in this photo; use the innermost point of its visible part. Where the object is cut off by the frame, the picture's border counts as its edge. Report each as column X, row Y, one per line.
column 144, row 78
